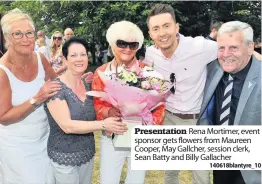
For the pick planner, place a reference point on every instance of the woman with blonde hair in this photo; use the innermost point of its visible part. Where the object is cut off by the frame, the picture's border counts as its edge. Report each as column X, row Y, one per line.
column 57, row 62
column 43, row 48
column 125, row 38
column 24, row 127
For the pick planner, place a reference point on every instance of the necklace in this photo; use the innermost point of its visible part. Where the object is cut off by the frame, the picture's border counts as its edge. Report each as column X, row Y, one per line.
column 126, row 64
column 23, row 67
column 116, row 63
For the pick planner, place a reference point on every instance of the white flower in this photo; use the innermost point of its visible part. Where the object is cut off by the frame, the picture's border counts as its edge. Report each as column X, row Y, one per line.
column 129, row 78
column 145, row 85
column 120, row 68
column 108, row 73
column 134, row 80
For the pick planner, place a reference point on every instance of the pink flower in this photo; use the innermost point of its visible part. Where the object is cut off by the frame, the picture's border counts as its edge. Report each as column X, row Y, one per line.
column 145, row 85
column 156, row 87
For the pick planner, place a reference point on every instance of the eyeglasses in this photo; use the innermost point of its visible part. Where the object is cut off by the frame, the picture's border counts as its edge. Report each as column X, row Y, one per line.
column 123, row 44
column 173, row 80
column 19, row 35
column 57, row 38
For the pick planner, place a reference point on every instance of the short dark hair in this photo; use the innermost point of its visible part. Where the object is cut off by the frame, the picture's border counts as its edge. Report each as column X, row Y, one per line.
column 160, row 9
column 216, row 25
column 71, row 41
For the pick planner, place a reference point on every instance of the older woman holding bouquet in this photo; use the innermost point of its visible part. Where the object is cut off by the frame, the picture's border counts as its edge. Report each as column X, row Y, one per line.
column 125, row 38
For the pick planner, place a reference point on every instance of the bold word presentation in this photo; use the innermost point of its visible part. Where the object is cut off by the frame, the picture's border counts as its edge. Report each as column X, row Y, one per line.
column 196, row 148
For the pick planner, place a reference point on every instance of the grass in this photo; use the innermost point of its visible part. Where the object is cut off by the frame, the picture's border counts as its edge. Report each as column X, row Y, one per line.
column 152, row 177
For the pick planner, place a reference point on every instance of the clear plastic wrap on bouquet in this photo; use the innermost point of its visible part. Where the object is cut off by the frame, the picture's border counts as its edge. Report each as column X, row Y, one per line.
column 132, row 101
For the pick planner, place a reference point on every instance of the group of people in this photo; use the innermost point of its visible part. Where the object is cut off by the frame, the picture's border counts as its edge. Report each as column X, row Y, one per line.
column 52, row 48
column 47, row 120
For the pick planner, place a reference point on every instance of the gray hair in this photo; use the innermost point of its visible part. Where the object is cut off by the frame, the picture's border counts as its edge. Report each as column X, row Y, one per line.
column 124, row 30
column 234, row 26
column 12, row 16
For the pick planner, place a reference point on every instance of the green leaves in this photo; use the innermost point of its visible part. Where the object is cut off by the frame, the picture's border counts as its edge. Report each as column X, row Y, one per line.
column 91, row 19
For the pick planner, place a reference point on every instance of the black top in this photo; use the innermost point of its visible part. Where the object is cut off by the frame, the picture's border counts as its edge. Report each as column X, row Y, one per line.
column 238, row 82
column 71, row 149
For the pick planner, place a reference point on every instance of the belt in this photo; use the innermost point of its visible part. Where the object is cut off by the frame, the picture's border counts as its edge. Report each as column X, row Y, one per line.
column 185, row 116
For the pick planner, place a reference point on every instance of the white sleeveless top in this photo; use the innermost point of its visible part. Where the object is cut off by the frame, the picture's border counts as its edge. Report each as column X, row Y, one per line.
column 23, row 156
column 33, row 125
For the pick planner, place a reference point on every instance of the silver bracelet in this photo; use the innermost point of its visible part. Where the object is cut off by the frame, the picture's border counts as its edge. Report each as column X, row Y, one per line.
column 103, row 125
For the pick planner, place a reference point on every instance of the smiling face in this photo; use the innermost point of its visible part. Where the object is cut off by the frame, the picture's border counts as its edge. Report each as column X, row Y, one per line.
column 233, row 52
column 77, row 59
column 124, row 55
column 163, row 31
column 22, row 45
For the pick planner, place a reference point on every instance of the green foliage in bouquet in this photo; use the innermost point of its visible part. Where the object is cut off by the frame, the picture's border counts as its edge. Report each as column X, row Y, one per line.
column 130, row 78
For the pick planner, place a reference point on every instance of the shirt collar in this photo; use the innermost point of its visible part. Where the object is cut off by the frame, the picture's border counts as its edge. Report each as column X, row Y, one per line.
column 210, row 38
column 241, row 75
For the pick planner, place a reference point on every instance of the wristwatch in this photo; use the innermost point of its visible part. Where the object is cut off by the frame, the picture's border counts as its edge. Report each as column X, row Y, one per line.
column 32, row 101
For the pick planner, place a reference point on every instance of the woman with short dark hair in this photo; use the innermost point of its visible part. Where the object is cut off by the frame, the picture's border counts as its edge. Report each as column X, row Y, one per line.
column 71, row 115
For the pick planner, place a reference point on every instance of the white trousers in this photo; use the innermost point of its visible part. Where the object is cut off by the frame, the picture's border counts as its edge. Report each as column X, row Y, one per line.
column 73, row 174
column 1, row 174
column 111, row 164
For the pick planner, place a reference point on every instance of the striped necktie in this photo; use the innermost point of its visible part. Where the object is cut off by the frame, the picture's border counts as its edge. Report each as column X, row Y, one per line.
column 225, row 109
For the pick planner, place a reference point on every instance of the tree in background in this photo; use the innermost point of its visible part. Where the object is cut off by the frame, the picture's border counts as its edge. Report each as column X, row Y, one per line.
column 91, row 19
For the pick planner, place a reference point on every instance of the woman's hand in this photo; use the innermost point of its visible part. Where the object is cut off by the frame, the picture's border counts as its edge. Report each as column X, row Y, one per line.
column 49, row 89
column 114, row 112
column 114, row 124
column 88, row 77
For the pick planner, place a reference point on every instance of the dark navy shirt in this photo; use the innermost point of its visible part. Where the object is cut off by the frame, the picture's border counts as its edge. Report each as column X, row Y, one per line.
column 238, row 82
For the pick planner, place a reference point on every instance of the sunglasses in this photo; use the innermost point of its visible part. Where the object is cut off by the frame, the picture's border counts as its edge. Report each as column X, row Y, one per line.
column 57, row 38
column 123, row 44
column 173, row 80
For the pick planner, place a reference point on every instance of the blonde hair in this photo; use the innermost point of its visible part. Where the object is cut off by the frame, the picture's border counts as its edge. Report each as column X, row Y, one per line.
column 41, row 42
column 53, row 48
column 124, row 30
column 12, row 16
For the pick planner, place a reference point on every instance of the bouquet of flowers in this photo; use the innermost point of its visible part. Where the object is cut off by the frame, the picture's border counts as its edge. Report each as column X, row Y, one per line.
column 135, row 91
